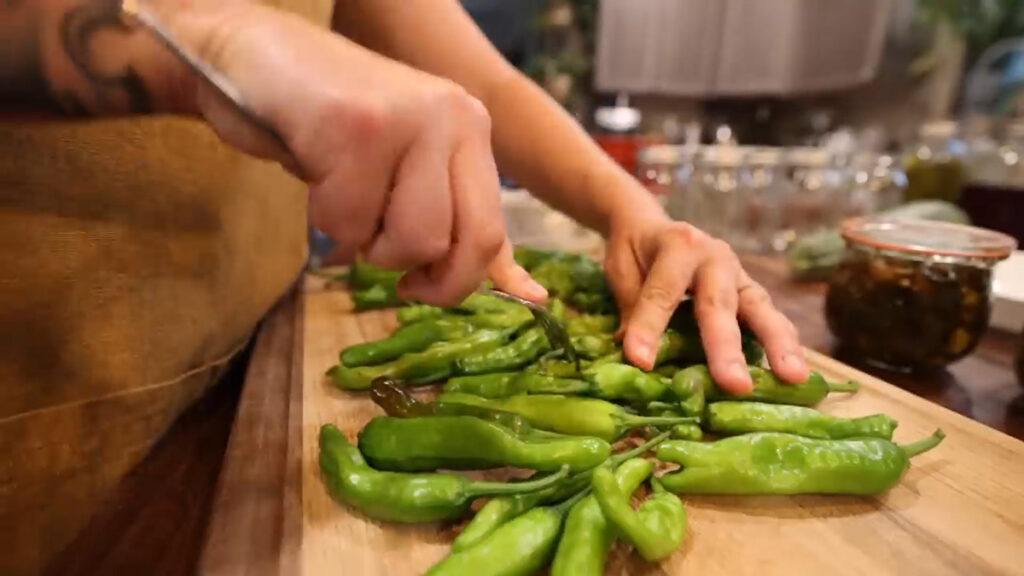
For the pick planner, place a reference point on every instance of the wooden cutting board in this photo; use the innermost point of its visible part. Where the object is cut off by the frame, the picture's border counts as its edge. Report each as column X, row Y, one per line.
column 959, row 510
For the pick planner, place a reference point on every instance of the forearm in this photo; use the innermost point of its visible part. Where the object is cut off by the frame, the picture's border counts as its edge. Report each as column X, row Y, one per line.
column 83, row 57
column 546, row 150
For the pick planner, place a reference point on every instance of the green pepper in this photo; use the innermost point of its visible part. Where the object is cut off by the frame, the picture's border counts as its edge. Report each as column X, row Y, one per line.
column 687, row 432
column 568, row 414
column 530, row 258
column 613, row 381
column 526, row 348
column 688, row 386
column 520, row 547
column 376, row 297
column 399, row 497
column 362, row 276
column 730, row 418
column 418, row 312
column 679, row 431
column 656, row 529
column 406, row 340
column 767, row 387
column 469, row 443
column 435, row 363
column 556, row 367
column 505, row 384
column 591, row 346
column 499, row 510
column 777, row 463
column 588, row 536
column 585, row 324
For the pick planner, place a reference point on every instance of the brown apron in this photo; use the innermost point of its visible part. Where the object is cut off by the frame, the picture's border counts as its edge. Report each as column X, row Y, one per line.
column 136, row 257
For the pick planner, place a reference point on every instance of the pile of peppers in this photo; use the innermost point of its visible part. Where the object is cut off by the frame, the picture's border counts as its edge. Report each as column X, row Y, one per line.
column 506, row 398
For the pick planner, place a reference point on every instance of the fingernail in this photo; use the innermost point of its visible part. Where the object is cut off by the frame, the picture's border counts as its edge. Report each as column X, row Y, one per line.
column 645, row 353
column 741, row 373
column 535, row 291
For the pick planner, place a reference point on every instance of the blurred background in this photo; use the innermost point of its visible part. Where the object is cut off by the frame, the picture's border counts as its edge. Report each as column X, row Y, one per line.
column 765, row 121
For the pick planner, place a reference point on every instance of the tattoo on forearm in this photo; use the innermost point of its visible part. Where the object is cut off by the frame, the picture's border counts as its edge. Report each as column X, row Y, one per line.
column 78, row 28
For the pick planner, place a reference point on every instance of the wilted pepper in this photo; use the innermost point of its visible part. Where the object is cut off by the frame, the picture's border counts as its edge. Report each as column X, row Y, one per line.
column 469, row 443
column 776, row 463
column 431, row 365
column 499, row 510
column 588, row 536
column 399, row 497
column 397, row 401
column 568, row 414
column 521, row 547
column 729, row 418
column 656, row 529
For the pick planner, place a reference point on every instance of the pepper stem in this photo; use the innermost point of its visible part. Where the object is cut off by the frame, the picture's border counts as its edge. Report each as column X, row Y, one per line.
column 501, row 488
column 924, row 444
column 639, row 450
column 849, row 386
column 564, row 507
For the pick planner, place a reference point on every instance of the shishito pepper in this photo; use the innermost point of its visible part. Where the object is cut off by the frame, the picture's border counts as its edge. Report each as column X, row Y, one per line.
column 505, row 384
column 433, row 364
column 376, row 297
column 568, row 414
column 656, row 529
column 399, row 497
column 521, row 547
column 730, row 418
column 526, row 348
column 776, row 463
column 767, row 387
column 500, row 510
column 406, row 340
column 588, row 536
column 469, row 443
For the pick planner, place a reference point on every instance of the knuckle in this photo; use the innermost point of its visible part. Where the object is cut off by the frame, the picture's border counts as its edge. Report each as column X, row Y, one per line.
column 431, row 248
column 757, row 297
column 683, row 233
column 490, row 241
column 710, row 301
column 662, row 297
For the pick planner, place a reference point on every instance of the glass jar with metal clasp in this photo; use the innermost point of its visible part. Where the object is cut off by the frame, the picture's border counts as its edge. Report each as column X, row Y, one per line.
column 714, row 191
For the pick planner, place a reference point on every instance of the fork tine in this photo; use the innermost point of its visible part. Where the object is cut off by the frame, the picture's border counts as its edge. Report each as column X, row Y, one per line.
column 556, row 334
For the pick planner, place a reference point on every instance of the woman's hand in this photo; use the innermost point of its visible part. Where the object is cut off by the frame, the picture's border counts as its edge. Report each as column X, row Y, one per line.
column 398, row 162
column 653, row 261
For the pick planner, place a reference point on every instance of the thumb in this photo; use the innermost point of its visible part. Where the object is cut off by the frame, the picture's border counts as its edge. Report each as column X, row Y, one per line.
column 509, row 276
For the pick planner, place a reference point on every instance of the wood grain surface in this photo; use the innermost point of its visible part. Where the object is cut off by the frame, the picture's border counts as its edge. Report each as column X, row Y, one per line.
column 957, row 511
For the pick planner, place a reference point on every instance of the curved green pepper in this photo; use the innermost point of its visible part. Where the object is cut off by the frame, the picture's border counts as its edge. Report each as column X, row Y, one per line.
column 499, row 510
column 526, row 348
column 469, row 443
column 588, row 536
column 730, row 418
column 406, row 340
column 433, row 364
column 521, row 547
column 399, row 497
column 418, row 312
column 592, row 346
column 776, row 463
column 656, row 529
column 612, row 381
column 568, row 414
column 362, row 276
column 688, row 386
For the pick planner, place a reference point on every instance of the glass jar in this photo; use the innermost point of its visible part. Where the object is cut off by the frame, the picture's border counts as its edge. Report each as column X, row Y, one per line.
column 763, row 185
column 714, row 186
column 666, row 171
column 935, row 167
column 874, row 184
column 913, row 294
column 813, row 200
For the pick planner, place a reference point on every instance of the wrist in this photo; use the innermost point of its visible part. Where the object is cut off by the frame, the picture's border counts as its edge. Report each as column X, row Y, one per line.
column 622, row 200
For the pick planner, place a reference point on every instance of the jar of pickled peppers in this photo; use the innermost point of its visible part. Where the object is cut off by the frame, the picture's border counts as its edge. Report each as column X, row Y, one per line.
column 913, row 294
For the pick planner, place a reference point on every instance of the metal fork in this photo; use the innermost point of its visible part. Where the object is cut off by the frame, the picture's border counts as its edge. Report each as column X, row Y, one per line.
column 553, row 329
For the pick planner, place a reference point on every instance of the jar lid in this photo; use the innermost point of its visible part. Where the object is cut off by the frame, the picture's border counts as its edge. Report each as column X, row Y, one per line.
column 929, row 237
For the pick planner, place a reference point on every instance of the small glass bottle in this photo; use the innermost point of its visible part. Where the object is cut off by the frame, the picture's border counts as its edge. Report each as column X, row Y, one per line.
column 935, row 167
